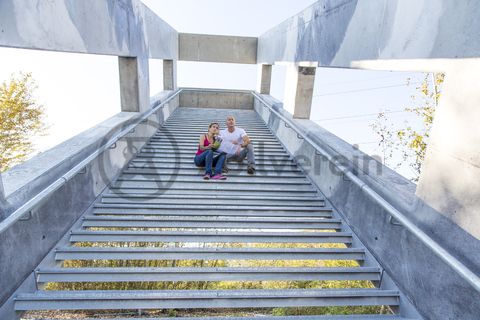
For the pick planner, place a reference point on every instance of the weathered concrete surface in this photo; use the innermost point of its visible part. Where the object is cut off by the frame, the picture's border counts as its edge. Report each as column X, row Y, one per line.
column 134, row 84
column 25, row 243
column 417, row 271
column 299, row 90
column 112, row 27
column 336, row 33
column 169, row 75
column 213, row 48
column 210, row 98
column 450, row 179
column 264, row 78
column 438, row 36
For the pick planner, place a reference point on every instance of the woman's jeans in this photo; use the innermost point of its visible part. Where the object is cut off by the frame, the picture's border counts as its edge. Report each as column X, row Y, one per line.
column 208, row 159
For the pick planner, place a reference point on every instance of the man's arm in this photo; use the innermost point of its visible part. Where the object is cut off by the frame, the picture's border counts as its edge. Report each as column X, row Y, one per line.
column 246, row 141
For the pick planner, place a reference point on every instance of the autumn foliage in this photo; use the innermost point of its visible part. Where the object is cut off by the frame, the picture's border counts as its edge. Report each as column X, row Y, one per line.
column 21, row 118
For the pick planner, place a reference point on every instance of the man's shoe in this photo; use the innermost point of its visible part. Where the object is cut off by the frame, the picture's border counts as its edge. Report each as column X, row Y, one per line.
column 219, row 177
column 251, row 170
column 224, row 169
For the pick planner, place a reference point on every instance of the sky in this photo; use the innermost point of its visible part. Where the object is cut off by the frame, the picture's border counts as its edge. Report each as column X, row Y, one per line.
column 78, row 91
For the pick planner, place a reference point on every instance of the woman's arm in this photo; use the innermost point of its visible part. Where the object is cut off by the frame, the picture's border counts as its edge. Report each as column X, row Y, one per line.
column 201, row 142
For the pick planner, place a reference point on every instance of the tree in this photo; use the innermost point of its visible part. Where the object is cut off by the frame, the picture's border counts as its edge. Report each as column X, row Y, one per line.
column 408, row 142
column 21, row 118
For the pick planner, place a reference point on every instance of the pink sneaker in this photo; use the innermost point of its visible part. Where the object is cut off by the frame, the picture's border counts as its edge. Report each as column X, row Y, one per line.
column 219, row 177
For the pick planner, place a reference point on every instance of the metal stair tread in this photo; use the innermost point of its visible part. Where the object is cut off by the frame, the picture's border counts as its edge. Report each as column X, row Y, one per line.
column 209, row 236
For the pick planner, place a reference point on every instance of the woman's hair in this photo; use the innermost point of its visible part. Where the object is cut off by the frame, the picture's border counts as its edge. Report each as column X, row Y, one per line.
column 211, row 124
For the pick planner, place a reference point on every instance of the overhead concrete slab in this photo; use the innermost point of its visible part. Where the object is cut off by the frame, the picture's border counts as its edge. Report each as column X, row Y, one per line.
column 123, row 28
column 213, row 48
column 337, row 33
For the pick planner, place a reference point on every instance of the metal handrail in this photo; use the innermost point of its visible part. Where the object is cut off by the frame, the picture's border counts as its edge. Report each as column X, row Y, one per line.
column 42, row 195
column 453, row 262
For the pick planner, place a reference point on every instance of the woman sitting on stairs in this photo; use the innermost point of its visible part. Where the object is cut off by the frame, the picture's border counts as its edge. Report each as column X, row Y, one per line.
column 206, row 155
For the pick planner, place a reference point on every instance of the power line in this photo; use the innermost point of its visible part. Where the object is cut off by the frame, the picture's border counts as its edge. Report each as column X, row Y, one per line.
column 366, row 89
column 360, row 115
column 355, row 81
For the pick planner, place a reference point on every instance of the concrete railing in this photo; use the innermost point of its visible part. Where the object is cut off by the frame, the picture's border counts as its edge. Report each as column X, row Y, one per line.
column 48, row 200
column 407, row 252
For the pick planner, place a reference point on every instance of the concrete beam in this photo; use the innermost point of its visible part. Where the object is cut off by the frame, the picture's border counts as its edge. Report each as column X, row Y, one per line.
column 299, row 90
column 111, row 27
column 211, row 98
column 169, row 75
column 134, row 84
column 264, row 78
column 337, row 33
column 213, row 48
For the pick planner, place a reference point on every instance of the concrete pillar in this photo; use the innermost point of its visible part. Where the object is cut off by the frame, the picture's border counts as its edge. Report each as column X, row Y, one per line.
column 134, row 84
column 450, row 178
column 169, row 75
column 299, row 90
column 264, row 78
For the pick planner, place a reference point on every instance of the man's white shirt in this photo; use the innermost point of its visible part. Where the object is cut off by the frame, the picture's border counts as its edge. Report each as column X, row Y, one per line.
column 228, row 138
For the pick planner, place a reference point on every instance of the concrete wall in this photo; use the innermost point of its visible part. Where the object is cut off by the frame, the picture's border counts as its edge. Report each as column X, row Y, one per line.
column 210, row 98
column 213, row 48
column 25, row 243
column 433, row 287
column 336, row 33
column 407, row 35
column 112, row 27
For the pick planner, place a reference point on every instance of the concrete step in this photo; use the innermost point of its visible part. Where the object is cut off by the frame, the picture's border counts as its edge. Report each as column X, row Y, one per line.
column 109, row 209
column 229, row 184
column 212, row 203
column 205, row 122
column 213, row 200
column 182, row 164
column 174, row 133
column 182, row 299
column 205, row 274
column 290, row 198
column 96, row 253
column 199, row 171
column 196, row 191
column 194, row 138
column 210, row 237
column 188, row 154
column 248, row 180
column 203, row 129
column 223, row 222
column 179, row 159
column 195, row 178
column 160, row 147
column 259, row 210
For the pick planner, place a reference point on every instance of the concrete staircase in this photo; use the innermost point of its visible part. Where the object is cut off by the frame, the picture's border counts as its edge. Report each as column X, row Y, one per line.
column 162, row 224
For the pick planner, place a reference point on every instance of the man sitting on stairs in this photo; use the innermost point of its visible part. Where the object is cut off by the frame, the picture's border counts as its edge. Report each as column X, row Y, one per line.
column 237, row 145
